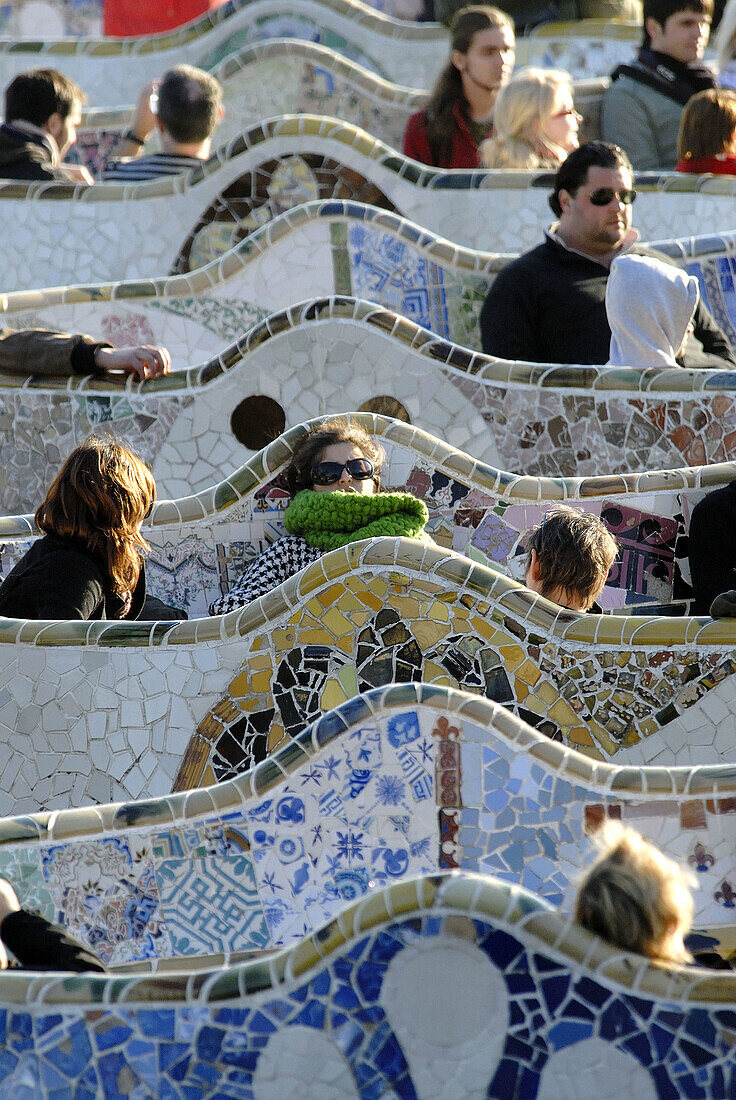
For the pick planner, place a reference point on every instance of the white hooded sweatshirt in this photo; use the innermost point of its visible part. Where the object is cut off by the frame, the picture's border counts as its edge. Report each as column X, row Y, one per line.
column 650, row 305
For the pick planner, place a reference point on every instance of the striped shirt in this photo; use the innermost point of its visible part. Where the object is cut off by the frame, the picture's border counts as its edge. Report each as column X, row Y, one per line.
column 131, row 169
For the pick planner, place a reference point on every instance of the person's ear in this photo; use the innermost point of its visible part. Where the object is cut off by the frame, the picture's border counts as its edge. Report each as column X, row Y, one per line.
column 653, row 27
column 532, row 569
column 564, row 198
column 54, row 124
column 457, row 57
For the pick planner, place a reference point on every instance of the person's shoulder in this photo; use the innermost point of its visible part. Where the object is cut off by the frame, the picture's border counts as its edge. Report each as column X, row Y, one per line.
column 535, row 258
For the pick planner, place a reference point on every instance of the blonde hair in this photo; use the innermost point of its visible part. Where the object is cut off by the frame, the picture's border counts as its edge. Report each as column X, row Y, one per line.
column 99, row 498
column 523, row 106
column 707, row 124
column 636, row 897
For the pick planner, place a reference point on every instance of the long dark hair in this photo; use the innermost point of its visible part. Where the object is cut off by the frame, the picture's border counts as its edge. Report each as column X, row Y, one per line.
column 100, row 497
column 448, row 88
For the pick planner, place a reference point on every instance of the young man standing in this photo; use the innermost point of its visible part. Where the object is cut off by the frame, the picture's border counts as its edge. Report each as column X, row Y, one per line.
column 641, row 109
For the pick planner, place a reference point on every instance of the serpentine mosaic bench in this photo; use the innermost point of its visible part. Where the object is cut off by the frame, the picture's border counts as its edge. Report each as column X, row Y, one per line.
column 199, row 543
column 289, row 367
column 112, row 71
column 532, row 1006
column 288, row 76
column 96, row 711
column 404, row 780
column 115, row 231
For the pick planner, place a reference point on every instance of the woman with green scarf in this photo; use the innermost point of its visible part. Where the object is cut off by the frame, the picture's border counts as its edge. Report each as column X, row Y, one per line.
column 334, row 480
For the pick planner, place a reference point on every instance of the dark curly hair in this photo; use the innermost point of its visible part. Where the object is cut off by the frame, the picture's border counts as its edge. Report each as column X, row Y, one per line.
column 309, row 450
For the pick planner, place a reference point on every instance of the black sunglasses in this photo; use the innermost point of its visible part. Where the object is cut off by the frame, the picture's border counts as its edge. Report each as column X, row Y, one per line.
column 327, row 473
column 603, row 195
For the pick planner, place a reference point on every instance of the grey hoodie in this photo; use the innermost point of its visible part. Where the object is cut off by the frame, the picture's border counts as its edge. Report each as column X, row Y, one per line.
column 649, row 305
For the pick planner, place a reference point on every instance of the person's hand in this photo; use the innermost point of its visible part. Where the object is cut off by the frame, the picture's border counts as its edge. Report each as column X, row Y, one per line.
column 143, row 120
column 145, row 361
column 78, row 173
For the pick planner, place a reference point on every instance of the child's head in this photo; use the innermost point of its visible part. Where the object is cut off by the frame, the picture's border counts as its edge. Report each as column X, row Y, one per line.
column 635, row 897
column 569, row 556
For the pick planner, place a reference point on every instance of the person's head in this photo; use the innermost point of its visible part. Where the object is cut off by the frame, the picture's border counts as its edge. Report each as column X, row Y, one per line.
column 650, row 306
column 100, row 498
column 592, row 196
column 635, row 897
column 569, row 557
column 189, row 105
column 708, row 125
column 48, row 99
column 678, row 28
column 320, row 461
column 534, row 120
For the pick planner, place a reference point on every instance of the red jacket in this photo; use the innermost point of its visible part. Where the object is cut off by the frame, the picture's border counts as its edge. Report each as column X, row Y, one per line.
column 464, row 152
column 134, row 17
column 717, row 166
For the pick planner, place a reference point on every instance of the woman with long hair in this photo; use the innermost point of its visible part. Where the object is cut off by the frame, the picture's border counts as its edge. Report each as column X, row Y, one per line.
column 334, row 480
column 459, row 115
column 89, row 563
column 535, row 124
column 707, row 138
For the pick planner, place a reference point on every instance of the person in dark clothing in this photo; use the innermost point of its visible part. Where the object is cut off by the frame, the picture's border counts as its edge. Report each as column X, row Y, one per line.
column 712, row 551
column 459, row 114
column 549, row 305
column 48, row 353
column 88, row 565
column 36, row 943
column 641, row 109
column 43, row 109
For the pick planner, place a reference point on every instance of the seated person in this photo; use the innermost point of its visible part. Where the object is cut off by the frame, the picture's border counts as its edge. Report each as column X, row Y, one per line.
column 459, row 114
column 712, row 553
column 548, row 306
column 707, row 141
column 569, row 557
column 636, row 898
column 185, row 108
column 334, row 480
column 43, row 109
column 36, row 943
column 650, row 307
column 535, row 124
column 642, row 107
column 89, row 563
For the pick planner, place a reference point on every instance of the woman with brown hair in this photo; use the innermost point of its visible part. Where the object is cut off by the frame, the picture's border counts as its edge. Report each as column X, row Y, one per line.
column 89, row 563
column 707, row 138
column 459, row 115
column 334, row 481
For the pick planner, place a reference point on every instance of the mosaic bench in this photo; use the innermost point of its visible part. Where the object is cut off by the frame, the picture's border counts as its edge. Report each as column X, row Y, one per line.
column 112, row 70
column 200, row 543
column 115, row 231
column 289, row 367
column 288, row 76
column 403, row 780
column 531, row 1006
column 96, row 711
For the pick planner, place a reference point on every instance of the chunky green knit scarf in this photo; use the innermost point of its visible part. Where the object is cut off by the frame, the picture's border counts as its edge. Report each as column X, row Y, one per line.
column 329, row 520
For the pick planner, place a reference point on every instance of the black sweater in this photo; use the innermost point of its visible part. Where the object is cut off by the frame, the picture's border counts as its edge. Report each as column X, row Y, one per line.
column 549, row 306
column 58, row 579
column 39, row 945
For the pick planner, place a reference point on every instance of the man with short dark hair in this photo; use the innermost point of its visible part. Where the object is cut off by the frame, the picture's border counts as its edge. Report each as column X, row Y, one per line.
column 642, row 108
column 549, row 305
column 185, row 108
column 42, row 111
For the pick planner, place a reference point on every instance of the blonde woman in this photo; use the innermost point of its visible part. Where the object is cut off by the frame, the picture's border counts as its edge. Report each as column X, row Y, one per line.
column 535, row 121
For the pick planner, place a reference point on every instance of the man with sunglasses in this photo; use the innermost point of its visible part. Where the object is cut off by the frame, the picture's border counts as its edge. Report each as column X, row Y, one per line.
column 549, row 305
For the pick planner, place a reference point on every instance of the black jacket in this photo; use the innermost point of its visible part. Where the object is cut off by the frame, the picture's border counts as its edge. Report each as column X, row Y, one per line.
column 549, row 306
column 712, row 546
column 57, row 579
column 25, row 156
column 39, row 945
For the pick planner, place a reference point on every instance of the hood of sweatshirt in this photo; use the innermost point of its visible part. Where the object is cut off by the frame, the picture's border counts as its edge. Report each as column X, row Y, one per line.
column 650, row 305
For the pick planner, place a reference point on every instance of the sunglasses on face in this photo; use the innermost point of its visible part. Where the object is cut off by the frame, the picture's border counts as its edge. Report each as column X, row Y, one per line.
column 327, row 473
column 604, row 195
